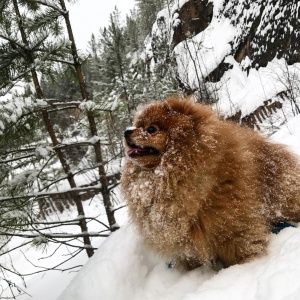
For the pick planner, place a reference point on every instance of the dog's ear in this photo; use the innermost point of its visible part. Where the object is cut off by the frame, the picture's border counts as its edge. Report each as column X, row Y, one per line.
column 177, row 105
column 167, row 109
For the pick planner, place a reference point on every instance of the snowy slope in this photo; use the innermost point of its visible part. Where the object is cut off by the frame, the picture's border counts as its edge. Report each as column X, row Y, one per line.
column 50, row 284
column 123, row 269
column 289, row 134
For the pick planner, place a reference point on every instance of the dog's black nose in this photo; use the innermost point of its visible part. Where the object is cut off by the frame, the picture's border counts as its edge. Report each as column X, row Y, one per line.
column 128, row 133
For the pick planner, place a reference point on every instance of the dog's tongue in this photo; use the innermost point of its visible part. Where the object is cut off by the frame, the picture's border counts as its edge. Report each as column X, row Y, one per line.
column 137, row 151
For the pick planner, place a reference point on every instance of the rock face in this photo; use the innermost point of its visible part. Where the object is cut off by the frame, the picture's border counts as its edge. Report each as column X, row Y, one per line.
column 267, row 28
column 228, row 43
column 195, row 16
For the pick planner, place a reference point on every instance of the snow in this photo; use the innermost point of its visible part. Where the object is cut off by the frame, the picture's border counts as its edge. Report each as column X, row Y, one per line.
column 41, row 285
column 238, row 89
column 239, row 92
column 24, row 177
column 198, row 56
column 43, row 151
column 94, row 140
column 87, row 105
column 124, row 269
column 289, row 134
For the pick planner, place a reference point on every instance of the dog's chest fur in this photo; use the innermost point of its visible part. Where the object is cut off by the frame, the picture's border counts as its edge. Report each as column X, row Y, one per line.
column 155, row 206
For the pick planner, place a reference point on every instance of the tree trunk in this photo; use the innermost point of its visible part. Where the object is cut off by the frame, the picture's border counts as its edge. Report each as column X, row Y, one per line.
column 51, row 132
column 92, row 123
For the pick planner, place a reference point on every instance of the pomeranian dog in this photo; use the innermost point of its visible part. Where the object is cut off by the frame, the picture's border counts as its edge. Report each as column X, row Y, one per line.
column 202, row 190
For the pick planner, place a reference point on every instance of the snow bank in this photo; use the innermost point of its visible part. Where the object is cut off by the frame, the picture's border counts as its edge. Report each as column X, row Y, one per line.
column 124, row 269
column 239, row 91
column 289, row 134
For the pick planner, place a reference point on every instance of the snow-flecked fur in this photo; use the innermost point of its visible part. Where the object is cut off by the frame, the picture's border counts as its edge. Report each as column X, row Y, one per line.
column 214, row 189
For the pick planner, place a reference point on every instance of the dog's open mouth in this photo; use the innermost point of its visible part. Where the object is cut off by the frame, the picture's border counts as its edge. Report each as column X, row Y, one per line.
column 140, row 151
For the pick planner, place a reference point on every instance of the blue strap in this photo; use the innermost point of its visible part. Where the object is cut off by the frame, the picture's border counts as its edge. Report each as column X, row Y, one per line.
column 281, row 225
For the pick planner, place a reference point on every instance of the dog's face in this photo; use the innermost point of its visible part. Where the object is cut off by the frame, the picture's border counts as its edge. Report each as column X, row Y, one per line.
column 154, row 130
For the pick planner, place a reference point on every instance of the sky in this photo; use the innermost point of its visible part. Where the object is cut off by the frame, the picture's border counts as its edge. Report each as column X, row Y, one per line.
column 88, row 16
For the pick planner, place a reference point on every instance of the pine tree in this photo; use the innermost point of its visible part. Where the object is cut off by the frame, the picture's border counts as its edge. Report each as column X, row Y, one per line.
column 26, row 44
column 113, row 62
column 147, row 12
column 135, row 39
column 125, row 79
column 22, row 51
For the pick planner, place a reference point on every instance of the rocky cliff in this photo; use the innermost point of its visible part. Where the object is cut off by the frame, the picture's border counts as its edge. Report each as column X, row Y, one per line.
column 244, row 54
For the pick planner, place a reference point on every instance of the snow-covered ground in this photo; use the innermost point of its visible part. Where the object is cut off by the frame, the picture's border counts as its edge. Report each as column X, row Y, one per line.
column 29, row 260
column 124, row 269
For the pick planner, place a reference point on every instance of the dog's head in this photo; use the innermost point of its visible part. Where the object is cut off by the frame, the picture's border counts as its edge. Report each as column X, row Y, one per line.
column 160, row 127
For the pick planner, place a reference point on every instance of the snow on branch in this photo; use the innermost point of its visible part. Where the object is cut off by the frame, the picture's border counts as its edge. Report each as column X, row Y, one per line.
column 49, row 194
column 54, row 235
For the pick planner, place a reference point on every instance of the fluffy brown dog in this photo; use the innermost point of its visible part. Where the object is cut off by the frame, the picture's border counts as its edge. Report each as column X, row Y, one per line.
column 201, row 189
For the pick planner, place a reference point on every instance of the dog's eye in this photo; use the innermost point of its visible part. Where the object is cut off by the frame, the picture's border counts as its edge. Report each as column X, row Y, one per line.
column 151, row 129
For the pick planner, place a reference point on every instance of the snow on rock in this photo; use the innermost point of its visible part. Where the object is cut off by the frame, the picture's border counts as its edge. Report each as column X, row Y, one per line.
column 124, row 269
column 289, row 134
column 198, row 56
column 238, row 91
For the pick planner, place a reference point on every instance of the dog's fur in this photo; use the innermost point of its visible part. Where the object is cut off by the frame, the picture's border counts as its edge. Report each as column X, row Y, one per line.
column 212, row 189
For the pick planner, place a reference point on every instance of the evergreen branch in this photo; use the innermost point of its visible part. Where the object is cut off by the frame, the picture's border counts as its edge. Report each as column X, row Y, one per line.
column 24, row 115
column 58, row 265
column 11, row 284
column 13, row 227
column 62, row 61
column 54, row 235
column 118, row 207
column 17, row 158
column 91, row 184
column 62, row 104
column 14, row 42
column 62, row 12
column 46, row 269
column 43, row 195
column 111, row 187
column 13, row 82
column 15, row 248
column 12, row 152
column 62, row 108
column 53, row 182
column 64, row 222
column 75, row 144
